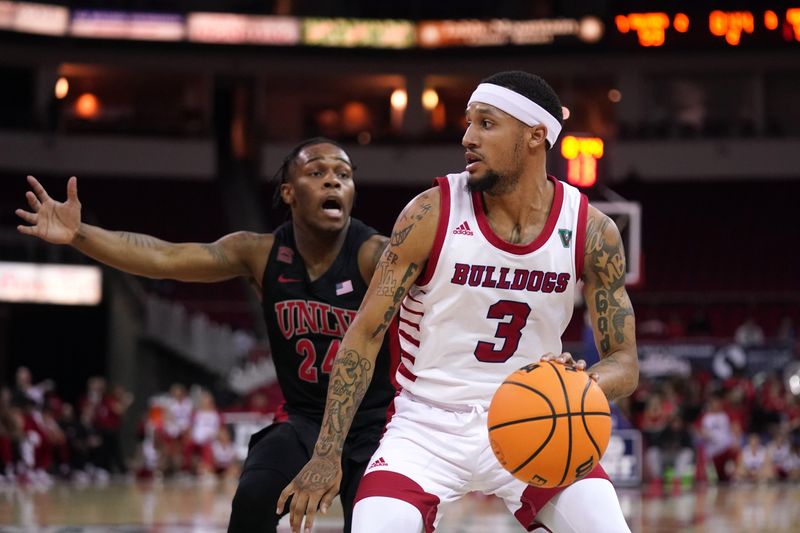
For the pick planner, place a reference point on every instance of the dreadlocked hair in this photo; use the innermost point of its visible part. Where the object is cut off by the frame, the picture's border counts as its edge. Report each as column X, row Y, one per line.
column 283, row 173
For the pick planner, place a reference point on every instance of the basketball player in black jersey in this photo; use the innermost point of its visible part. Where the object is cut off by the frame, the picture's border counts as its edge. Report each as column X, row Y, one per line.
column 312, row 274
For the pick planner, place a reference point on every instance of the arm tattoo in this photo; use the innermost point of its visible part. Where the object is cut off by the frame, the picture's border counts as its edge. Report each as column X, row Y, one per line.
column 398, row 237
column 607, row 261
column 388, row 283
column 217, row 254
column 349, row 381
column 138, row 240
column 313, row 478
column 389, row 287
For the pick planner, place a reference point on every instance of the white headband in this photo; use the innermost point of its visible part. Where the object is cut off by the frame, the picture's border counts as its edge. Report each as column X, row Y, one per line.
column 519, row 107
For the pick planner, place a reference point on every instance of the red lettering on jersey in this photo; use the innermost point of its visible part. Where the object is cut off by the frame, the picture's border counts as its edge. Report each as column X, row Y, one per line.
column 306, row 319
column 327, row 329
column 319, row 310
column 549, row 282
column 476, row 275
column 535, row 280
column 488, row 281
column 343, row 318
column 302, row 317
column 520, row 279
column 503, row 282
column 283, row 312
column 563, row 281
column 460, row 274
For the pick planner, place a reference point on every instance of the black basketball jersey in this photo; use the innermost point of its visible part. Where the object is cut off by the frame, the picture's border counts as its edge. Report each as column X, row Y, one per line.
column 306, row 321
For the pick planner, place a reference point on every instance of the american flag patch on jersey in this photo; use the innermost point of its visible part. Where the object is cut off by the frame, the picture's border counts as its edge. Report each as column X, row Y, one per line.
column 344, row 287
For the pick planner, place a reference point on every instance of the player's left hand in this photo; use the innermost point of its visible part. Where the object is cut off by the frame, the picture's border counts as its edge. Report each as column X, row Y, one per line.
column 566, row 359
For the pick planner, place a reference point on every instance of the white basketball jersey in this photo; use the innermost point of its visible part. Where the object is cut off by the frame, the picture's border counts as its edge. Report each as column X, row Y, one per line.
column 484, row 307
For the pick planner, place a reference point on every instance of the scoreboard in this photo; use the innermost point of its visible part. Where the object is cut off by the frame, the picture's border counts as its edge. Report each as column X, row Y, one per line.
column 764, row 27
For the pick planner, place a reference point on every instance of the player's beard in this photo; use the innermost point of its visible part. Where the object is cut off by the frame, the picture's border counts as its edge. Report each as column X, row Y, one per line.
column 484, row 183
column 493, row 184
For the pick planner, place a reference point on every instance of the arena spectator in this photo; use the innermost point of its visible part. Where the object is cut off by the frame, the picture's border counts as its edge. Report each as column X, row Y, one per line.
column 26, row 390
column 784, row 460
column 223, row 453
column 205, row 427
column 754, row 463
column 673, row 450
column 177, row 422
column 718, row 438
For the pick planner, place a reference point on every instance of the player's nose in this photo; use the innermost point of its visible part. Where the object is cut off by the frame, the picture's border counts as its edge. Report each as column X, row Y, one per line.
column 332, row 180
column 469, row 140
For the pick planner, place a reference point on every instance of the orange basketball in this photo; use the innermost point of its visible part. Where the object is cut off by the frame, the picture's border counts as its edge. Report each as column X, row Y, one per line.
column 549, row 424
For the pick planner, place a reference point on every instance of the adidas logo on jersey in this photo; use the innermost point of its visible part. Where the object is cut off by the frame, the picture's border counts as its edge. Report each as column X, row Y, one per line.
column 463, row 229
column 378, row 462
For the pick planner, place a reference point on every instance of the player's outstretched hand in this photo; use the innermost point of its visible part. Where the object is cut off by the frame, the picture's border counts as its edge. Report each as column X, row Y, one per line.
column 314, row 487
column 566, row 359
column 52, row 221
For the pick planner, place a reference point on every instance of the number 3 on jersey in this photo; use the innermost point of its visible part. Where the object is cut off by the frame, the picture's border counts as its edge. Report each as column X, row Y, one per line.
column 307, row 371
column 510, row 332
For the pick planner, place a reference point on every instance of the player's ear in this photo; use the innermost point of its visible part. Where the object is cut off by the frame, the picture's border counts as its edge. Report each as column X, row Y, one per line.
column 536, row 135
column 287, row 193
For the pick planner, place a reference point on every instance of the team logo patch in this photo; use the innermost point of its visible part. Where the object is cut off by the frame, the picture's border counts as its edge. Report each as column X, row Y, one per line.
column 285, row 254
column 566, row 237
column 463, row 229
column 344, row 287
column 378, row 462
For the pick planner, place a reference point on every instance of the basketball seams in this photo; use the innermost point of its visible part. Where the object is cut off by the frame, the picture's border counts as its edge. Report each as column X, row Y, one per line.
column 569, row 425
column 522, row 421
column 539, row 449
column 583, row 417
column 545, row 417
column 535, row 391
column 552, row 427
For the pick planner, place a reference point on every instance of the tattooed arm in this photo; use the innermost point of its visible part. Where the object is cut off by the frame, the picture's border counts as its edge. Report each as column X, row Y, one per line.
column 399, row 266
column 610, row 307
column 237, row 254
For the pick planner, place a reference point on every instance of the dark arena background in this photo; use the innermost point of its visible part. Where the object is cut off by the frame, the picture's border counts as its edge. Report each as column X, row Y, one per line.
column 683, row 125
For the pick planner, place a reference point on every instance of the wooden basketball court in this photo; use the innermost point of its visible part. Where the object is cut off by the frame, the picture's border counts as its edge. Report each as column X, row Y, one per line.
column 192, row 507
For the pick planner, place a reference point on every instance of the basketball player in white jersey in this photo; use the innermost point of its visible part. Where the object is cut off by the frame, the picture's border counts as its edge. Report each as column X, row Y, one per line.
column 482, row 269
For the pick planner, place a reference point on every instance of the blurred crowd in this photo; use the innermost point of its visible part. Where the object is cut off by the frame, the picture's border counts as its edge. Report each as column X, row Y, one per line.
column 694, row 430
column 185, row 433
column 44, row 438
column 703, row 429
